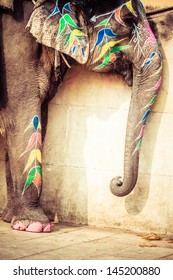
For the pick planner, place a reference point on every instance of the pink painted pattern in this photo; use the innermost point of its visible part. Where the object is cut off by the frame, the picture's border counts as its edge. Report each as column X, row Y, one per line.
column 151, row 38
column 141, row 133
column 156, row 87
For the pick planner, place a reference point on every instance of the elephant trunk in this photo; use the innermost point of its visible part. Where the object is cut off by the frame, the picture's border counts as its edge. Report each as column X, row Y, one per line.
column 146, row 82
column 131, row 158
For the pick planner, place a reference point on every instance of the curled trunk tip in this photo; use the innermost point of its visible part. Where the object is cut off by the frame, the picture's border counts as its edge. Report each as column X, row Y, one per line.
column 118, row 188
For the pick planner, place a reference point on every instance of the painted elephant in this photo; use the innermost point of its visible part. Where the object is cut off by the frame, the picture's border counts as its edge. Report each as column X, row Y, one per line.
column 107, row 36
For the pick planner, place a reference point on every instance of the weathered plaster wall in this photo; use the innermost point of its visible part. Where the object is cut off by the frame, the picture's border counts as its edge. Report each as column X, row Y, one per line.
column 154, row 4
column 84, row 147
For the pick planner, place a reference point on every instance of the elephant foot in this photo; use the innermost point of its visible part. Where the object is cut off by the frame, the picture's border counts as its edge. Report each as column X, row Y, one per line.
column 31, row 220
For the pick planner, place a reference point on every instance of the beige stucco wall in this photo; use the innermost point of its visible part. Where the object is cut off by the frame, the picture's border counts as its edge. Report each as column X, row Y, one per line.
column 157, row 4
column 84, row 147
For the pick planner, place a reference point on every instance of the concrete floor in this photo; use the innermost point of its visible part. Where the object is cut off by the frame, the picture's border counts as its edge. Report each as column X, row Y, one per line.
column 82, row 243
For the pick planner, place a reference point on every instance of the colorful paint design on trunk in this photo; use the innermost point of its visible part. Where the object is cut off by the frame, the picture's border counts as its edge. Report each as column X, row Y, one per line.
column 33, row 164
column 141, row 43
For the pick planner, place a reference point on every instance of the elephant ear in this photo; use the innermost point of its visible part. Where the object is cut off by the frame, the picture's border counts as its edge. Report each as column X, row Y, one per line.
column 60, row 30
column 8, row 4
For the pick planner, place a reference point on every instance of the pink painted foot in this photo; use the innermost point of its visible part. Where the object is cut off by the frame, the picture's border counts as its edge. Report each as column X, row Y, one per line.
column 19, row 226
column 47, row 228
column 33, row 227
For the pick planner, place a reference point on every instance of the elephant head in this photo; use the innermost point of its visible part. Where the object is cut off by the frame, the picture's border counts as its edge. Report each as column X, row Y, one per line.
column 117, row 35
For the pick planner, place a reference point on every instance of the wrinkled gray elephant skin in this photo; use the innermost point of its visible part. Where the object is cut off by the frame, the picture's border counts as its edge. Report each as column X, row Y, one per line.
column 104, row 37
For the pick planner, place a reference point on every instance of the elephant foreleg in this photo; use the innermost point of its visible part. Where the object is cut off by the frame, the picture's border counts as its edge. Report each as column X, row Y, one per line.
column 24, row 144
column 26, row 85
